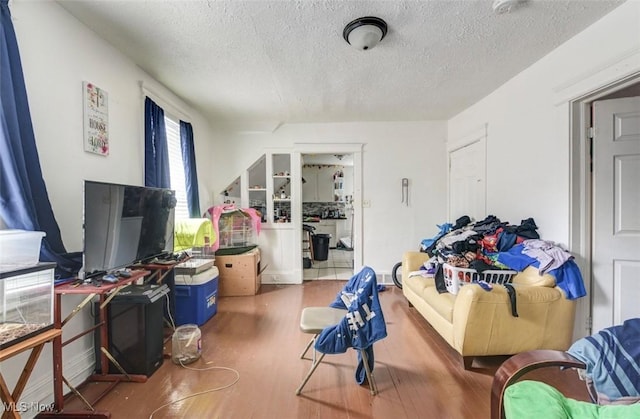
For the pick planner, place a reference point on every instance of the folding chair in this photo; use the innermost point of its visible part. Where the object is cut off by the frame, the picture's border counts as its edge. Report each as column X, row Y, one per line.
column 356, row 317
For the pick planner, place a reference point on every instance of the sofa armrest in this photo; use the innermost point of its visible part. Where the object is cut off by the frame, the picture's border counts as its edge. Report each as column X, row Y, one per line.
column 484, row 325
column 411, row 261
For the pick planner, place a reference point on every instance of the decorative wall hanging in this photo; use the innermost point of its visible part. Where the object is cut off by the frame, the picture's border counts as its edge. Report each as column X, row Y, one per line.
column 96, row 119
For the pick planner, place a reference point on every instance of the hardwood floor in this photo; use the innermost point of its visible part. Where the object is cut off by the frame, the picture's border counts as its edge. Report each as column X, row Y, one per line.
column 417, row 373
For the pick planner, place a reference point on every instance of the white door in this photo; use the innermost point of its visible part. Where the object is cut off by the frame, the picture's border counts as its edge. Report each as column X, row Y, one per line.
column 467, row 192
column 616, row 211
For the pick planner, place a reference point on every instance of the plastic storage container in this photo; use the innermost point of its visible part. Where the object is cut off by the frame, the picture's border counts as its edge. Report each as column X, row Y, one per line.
column 19, row 248
column 196, row 297
column 455, row 277
column 320, row 246
column 186, row 344
column 26, row 303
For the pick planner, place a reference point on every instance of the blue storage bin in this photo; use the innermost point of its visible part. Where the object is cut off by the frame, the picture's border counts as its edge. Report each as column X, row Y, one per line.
column 196, row 297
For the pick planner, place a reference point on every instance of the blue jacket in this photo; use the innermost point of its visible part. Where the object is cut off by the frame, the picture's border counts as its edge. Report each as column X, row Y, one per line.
column 362, row 325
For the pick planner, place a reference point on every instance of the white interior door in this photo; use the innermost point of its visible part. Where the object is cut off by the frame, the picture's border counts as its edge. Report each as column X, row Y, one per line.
column 616, row 212
column 467, row 191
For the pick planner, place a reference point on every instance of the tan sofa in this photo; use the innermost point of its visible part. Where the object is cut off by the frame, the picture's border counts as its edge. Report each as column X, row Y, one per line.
column 476, row 322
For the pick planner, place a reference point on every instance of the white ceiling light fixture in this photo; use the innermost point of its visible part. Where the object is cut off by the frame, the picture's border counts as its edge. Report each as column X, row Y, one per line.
column 365, row 33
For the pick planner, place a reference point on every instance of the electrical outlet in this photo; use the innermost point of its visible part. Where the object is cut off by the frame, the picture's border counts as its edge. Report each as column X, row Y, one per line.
column 366, row 203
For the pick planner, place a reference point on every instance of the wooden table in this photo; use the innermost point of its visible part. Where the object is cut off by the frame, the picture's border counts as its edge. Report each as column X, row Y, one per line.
column 105, row 292
column 35, row 343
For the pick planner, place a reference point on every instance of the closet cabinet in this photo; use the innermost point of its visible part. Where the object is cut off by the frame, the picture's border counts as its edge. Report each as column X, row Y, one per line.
column 318, row 185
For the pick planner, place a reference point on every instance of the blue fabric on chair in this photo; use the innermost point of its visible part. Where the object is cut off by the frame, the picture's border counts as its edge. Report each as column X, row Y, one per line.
column 362, row 325
column 612, row 357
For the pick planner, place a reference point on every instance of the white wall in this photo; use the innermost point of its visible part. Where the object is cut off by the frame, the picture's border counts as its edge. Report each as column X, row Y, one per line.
column 58, row 54
column 392, row 150
column 529, row 170
column 528, row 140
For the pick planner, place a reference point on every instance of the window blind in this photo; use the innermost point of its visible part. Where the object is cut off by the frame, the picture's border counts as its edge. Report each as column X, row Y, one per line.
column 176, row 167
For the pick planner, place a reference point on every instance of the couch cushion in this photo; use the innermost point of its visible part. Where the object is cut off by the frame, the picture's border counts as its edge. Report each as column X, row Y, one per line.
column 532, row 278
column 441, row 303
column 426, row 288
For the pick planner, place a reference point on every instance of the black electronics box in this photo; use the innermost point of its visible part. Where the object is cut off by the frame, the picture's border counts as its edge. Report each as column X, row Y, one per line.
column 135, row 319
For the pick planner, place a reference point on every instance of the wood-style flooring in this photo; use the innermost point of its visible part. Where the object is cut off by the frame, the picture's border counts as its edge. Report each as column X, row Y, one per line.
column 418, row 375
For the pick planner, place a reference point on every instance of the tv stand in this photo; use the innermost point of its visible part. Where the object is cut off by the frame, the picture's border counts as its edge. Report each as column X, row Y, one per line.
column 106, row 292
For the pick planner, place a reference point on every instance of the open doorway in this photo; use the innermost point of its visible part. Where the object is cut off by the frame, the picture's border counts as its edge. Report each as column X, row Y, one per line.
column 327, row 215
column 592, row 186
column 331, row 194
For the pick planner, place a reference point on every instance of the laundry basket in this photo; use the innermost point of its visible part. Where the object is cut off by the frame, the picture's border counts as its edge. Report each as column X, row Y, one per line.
column 455, row 277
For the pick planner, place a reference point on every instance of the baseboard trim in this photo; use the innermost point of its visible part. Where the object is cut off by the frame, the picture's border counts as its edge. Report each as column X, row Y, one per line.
column 39, row 390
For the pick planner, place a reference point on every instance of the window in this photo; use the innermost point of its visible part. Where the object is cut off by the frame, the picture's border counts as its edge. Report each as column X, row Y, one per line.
column 176, row 167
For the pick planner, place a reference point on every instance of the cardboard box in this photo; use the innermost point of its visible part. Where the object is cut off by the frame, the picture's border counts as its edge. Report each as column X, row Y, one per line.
column 239, row 274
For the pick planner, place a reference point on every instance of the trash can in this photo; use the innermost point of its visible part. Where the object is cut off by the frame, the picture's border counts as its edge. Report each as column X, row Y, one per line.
column 320, row 246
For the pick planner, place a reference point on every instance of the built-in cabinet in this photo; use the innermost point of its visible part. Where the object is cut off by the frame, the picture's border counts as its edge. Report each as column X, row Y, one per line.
column 257, row 186
column 325, row 183
column 284, row 190
column 281, row 188
column 233, row 193
column 343, row 229
column 338, row 186
column 269, row 187
column 309, row 185
column 317, row 185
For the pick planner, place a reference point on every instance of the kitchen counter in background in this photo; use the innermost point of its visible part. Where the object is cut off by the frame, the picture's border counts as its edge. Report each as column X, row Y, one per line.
column 318, row 219
column 336, row 227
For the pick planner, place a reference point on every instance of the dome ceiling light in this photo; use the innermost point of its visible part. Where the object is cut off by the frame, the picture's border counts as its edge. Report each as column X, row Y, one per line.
column 365, row 33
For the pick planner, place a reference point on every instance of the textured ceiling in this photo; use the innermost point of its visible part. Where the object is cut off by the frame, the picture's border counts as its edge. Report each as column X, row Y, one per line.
column 276, row 62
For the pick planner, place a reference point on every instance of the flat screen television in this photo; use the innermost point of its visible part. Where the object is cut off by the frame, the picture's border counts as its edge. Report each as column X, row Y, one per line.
column 125, row 224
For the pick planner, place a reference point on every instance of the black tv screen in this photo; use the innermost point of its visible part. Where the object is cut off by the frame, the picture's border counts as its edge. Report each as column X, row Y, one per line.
column 124, row 224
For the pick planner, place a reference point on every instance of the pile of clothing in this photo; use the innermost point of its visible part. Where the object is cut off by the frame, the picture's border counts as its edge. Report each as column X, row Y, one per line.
column 492, row 244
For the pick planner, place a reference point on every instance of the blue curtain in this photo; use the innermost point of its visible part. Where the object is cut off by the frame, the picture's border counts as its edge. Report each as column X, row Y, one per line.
column 156, row 153
column 190, row 174
column 24, row 201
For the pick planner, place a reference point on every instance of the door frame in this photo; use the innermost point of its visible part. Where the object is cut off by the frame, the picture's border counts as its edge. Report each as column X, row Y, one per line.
column 335, row 148
column 580, row 185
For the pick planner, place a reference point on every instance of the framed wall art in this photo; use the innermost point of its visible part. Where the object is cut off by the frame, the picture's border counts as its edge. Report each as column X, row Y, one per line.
column 96, row 119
